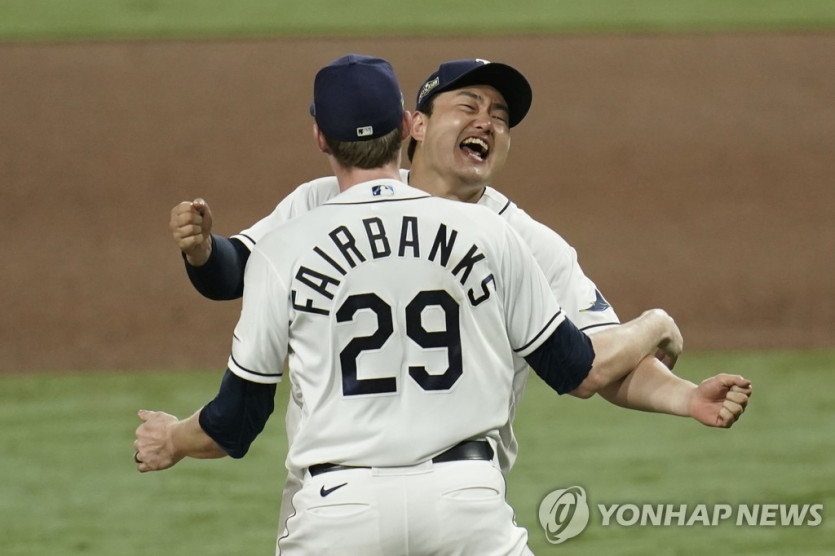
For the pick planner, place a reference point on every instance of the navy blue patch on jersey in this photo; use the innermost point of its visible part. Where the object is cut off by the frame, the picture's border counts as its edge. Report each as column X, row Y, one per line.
column 379, row 190
column 600, row 304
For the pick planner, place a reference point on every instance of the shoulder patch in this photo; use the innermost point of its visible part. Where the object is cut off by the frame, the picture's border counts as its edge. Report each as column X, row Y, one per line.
column 599, row 303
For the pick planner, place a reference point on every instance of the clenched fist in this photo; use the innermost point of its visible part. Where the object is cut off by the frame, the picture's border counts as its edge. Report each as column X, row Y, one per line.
column 191, row 226
column 719, row 401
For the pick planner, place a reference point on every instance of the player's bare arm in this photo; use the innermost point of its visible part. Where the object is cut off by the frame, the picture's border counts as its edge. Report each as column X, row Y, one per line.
column 619, row 349
column 716, row 402
column 190, row 224
column 162, row 440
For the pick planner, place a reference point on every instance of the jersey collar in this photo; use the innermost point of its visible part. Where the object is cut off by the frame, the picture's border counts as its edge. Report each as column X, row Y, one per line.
column 377, row 191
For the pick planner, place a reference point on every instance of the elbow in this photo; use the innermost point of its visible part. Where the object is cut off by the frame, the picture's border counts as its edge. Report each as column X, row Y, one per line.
column 582, row 393
column 236, row 451
column 590, row 386
column 218, row 295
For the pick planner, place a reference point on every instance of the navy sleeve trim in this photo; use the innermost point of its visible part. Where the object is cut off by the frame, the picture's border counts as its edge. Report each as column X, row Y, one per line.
column 222, row 277
column 238, row 413
column 541, row 332
column 593, row 326
column 565, row 359
column 250, row 371
column 249, row 238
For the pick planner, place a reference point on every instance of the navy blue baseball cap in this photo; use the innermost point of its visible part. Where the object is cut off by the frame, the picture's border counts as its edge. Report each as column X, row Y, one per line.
column 457, row 74
column 357, row 98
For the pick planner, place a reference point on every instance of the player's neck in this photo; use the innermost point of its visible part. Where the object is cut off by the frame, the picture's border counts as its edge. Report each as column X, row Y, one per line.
column 440, row 185
column 349, row 177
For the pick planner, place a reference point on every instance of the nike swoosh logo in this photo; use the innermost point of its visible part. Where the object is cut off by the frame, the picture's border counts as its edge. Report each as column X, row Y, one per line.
column 325, row 491
column 599, row 304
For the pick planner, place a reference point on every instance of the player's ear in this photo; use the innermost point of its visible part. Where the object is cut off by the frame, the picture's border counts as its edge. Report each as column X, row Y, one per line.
column 319, row 137
column 418, row 127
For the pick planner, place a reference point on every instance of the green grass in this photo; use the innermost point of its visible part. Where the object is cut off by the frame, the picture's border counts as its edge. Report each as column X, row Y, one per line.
column 69, row 485
column 39, row 20
column 780, row 452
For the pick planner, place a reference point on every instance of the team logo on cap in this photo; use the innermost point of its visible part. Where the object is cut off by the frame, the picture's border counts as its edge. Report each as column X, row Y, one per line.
column 365, row 131
column 427, row 88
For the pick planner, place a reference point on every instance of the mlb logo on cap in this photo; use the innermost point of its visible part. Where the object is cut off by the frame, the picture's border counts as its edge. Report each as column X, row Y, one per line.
column 357, row 98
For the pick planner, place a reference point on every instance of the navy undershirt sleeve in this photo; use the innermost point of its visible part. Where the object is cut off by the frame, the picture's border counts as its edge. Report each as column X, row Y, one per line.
column 564, row 360
column 238, row 413
column 222, row 277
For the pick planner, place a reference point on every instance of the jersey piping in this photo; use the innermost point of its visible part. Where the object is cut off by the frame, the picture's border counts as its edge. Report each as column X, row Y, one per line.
column 342, row 204
column 540, row 333
column 241, row 368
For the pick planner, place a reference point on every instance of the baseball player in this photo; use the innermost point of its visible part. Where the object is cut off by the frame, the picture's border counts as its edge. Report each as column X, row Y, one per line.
column 401, row 314
column 456, row 151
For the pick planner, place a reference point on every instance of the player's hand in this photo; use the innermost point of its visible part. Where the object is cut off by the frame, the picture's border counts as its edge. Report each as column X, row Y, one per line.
column 153, row 447
column 719, row 401
column 191, row 226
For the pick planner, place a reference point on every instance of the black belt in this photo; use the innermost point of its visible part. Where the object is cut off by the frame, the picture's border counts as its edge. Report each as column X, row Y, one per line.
column 467, row 450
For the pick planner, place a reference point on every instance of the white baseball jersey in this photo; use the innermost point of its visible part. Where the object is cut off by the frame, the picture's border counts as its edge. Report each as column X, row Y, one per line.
column 576, row 293
column 401, row 314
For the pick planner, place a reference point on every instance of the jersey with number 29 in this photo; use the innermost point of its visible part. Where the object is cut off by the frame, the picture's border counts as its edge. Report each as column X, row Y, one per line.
column 400, row 314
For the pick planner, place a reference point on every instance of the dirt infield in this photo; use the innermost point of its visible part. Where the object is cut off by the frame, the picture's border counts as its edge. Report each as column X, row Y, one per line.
column 690, row 172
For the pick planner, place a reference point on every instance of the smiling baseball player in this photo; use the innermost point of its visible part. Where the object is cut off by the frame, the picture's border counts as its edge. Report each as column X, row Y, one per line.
column 401, row 314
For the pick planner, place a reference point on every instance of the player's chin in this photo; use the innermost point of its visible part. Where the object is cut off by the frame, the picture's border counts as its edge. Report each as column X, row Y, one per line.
column 480, row 172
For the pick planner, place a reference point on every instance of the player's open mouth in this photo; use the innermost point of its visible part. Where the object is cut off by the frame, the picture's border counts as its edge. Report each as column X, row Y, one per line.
column 475, row 148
